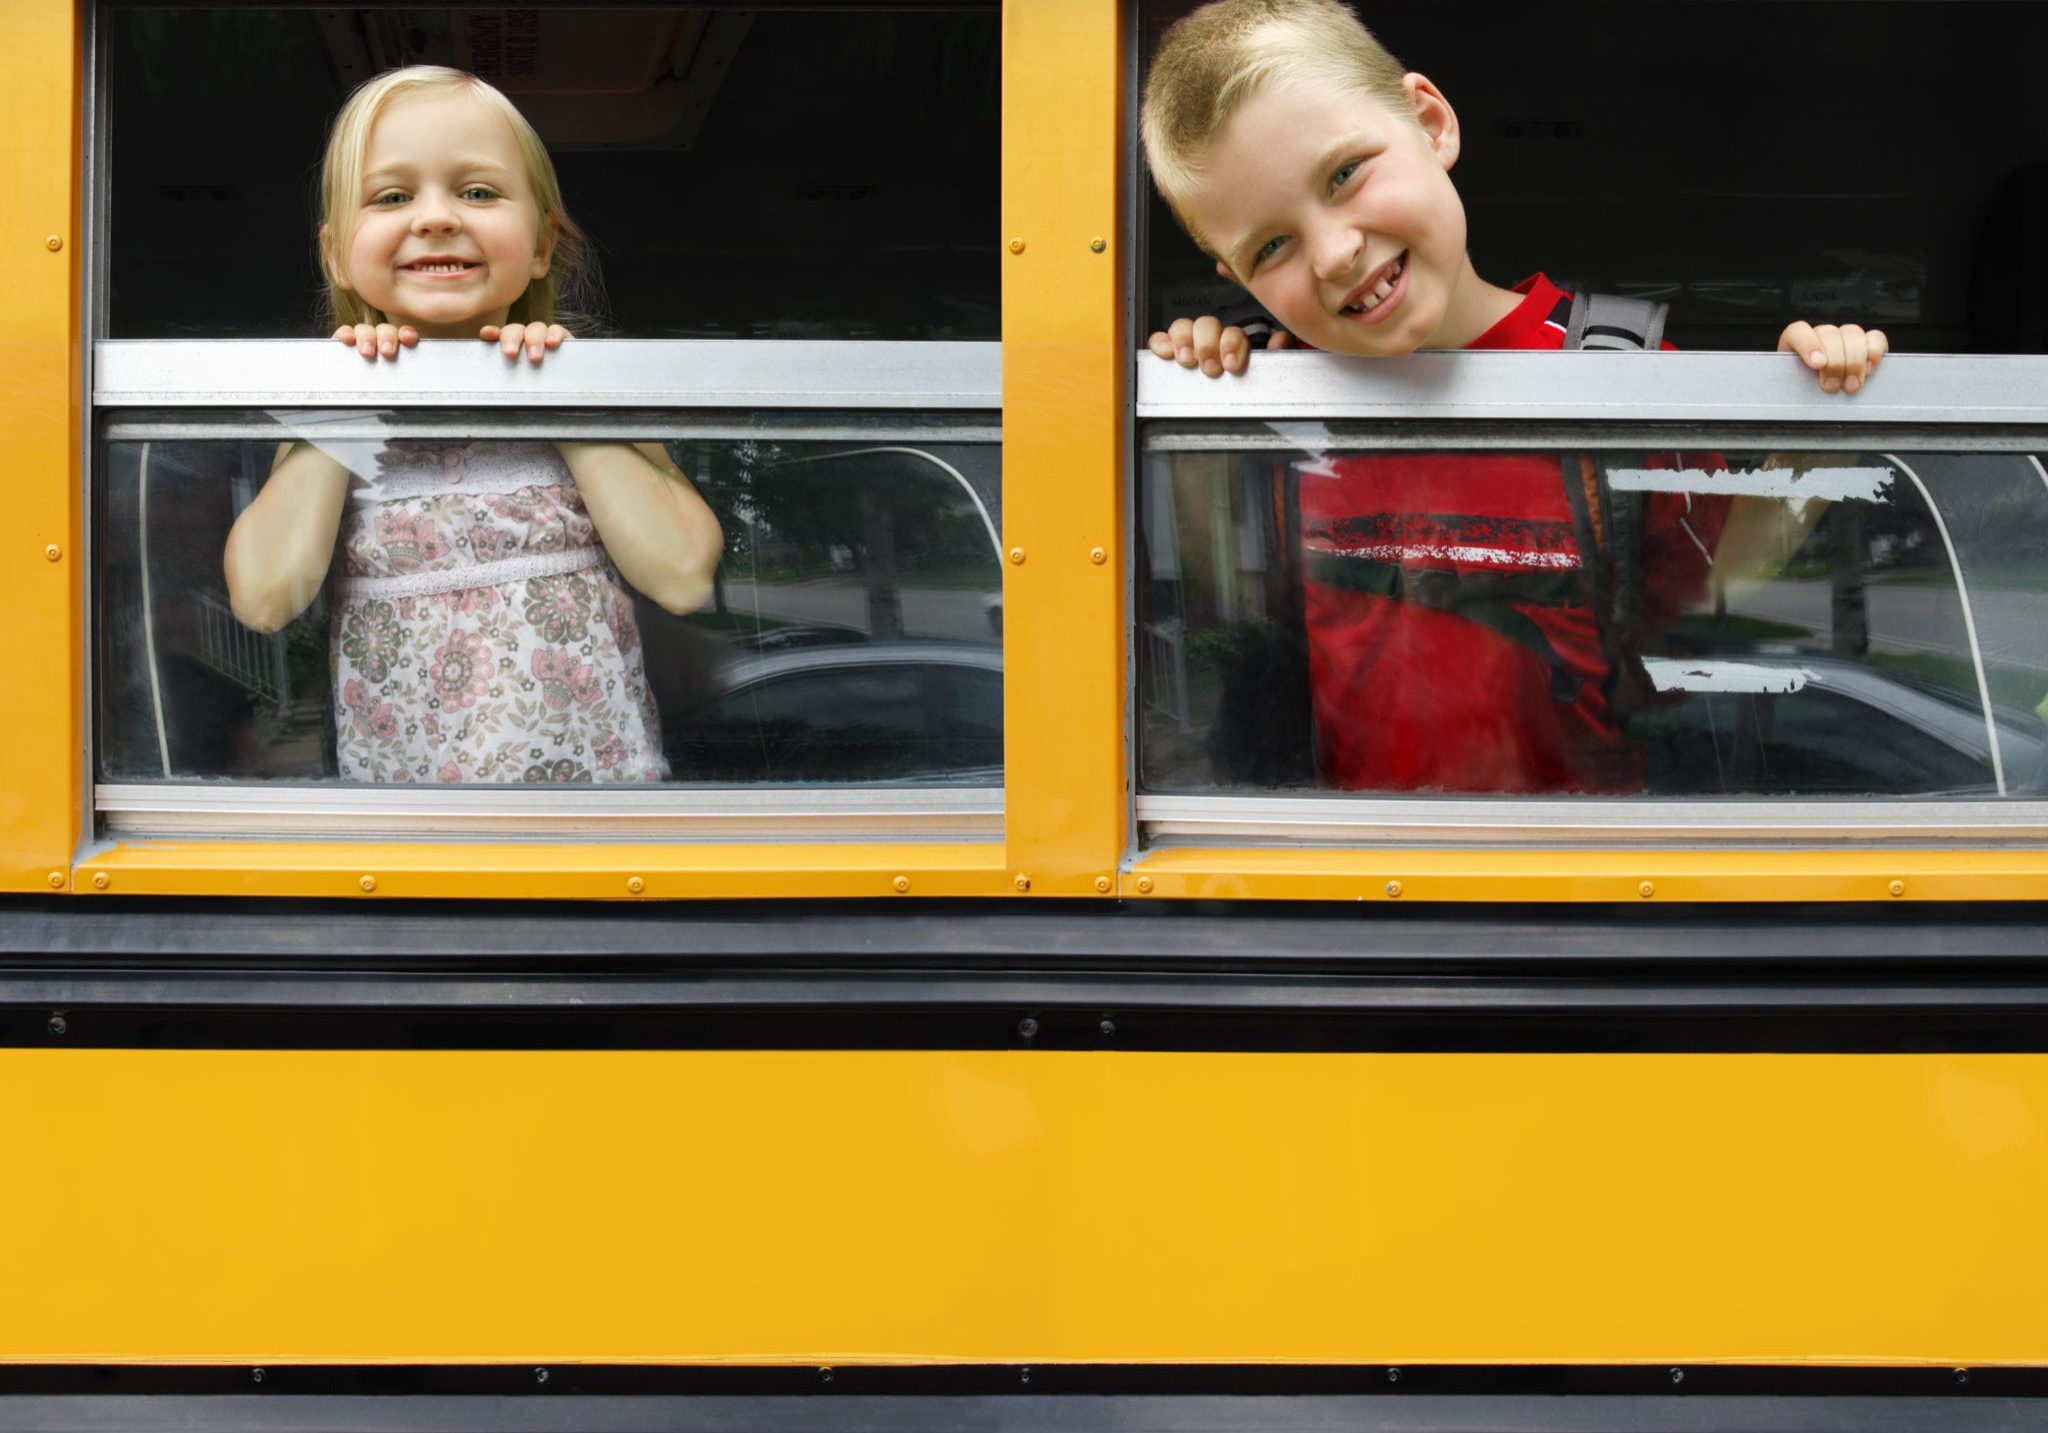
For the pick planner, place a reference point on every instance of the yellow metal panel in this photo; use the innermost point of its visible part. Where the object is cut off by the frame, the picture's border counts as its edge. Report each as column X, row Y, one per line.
column 1641, row 876
column 39, row 414
column 1064, row 372
column 1024, row 1206
column 387, row 870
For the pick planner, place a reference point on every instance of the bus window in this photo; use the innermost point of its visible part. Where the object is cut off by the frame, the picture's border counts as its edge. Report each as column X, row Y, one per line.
column 774, row 173
column 1738, row 623
column 452, row 641
column 1628, row 149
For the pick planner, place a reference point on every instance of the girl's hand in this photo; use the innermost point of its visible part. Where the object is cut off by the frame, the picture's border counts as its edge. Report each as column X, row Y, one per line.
column 374, row 340
column 536, row 338
column 1843, row 356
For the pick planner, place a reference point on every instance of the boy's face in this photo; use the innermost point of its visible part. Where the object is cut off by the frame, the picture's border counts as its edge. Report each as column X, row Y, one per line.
column 1339, row 215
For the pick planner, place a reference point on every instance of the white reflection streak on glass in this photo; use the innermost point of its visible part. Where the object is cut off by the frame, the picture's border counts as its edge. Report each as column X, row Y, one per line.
column 1969, row 618
column 995, row 541
column 156, row 690
column 1835, row 485
column 1314, row 439
column 1673, row 674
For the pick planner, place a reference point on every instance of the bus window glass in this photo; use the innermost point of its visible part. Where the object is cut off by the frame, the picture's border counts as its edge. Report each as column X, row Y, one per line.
column 470, row 629
column 822, row 172
column 1321, row 616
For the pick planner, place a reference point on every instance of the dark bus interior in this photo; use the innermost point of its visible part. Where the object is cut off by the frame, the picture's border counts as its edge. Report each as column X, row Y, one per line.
column 1746, row 161
column 834, row 171
column 830, row 172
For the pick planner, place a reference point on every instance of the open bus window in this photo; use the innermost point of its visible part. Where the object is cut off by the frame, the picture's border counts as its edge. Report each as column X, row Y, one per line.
column 1737, row 624
column 1692, row 152
column 472, row 630
column 822, row 172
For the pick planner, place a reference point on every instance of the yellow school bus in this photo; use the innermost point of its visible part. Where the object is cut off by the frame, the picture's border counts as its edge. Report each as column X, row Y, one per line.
column 1003, row 1014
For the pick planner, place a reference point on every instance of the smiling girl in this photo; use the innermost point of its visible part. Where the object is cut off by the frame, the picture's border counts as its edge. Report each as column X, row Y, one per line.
column 481, row 629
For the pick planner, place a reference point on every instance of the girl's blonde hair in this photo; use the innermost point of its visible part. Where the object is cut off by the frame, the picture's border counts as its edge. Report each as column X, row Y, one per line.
column 552, row 298
column 1213, row 60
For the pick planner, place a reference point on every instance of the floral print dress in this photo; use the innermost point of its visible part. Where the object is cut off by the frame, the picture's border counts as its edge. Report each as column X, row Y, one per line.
column 480, row 632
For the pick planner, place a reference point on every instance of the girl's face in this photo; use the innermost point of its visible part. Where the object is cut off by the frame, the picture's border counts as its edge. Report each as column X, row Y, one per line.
column 447, row 233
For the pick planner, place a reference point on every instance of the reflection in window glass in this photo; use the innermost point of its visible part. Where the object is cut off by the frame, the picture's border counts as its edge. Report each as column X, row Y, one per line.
column 470, row 628
column 1612, row 623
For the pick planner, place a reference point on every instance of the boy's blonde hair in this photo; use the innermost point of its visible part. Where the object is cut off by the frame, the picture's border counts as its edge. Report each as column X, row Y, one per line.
column 1213, row 60
column 546, row 299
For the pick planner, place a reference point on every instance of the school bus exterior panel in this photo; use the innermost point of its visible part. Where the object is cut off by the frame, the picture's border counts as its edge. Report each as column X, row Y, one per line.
column 1044, row 1131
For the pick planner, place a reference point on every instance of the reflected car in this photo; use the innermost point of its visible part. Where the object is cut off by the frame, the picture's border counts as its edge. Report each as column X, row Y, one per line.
column 878, row 713
column 1811, row 725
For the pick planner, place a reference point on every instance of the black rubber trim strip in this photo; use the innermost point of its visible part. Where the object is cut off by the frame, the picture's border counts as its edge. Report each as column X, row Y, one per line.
column 1747, row 1021
column 1097, row 934
column 1049, row 976
column 1065, row 1413
column 1075, row 1399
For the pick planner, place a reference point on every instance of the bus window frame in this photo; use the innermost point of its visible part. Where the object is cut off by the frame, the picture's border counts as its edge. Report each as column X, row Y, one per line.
column 252, row 390
column 1547, row 402
column 675, row 842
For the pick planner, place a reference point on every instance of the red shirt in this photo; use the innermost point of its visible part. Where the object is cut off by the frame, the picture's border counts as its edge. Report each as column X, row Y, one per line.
column 1453, row 645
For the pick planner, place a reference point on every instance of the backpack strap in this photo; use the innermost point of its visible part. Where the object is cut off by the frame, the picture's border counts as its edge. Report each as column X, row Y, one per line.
column 1611, row 526
column 1609, row 321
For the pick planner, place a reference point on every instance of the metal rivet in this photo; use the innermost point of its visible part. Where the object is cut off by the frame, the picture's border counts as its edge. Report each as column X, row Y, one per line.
column 101, row 880
column 1647, row 889
column 1897, row 888
column 1393, row 1375
column 824, row 1375
column 901, row 883
column 1016, row 554
column 1023, row 881
column 56, row 880
column 635, row 884
column 1678, row 1375
column 1144, row 885
column 255, row 1375
column 540, row 1375
column 1016, row 246
column 1102, row 884
column 1107, row 1027
column 1394, row 889
column 1023, row 1375
column 1962, row 1375
column 54, row 243
column 368, row 883
column 1097, row 244
column 53, row 553
column 1097, row 556
column 1027, row 1027
column 58, row 1025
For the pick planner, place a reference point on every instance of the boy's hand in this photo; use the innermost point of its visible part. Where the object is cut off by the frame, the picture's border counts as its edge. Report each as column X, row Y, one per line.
column 1206, row 344
column 537, row 339
column 1843, row 356
column 374, row 340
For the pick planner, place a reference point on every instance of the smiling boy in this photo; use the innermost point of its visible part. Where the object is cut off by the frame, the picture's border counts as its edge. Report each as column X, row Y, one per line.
column 1457, row 606
column 1315, row 170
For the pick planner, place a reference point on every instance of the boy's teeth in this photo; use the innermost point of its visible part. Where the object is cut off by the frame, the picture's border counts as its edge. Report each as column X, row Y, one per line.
column 1380, row 290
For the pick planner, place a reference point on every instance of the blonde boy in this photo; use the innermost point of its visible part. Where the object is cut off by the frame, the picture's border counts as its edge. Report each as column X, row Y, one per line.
column 1315, row 170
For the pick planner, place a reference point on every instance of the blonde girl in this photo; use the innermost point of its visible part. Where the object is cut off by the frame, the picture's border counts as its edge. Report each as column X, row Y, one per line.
column 481, row 631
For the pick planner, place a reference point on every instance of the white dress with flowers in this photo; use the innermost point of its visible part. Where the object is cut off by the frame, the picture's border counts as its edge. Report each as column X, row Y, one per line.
column 480, row 632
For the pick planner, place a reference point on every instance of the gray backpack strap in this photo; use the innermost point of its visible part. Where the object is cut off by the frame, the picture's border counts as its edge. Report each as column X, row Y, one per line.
column 1608, row 321
column 1610, row 525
